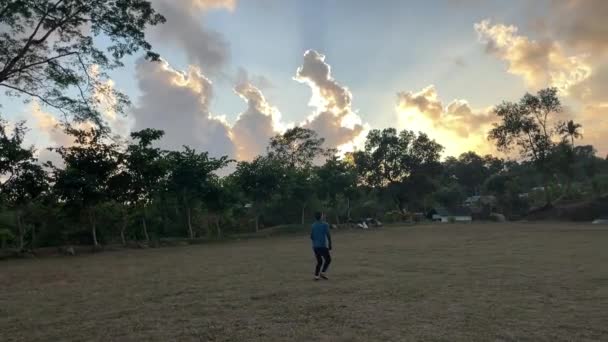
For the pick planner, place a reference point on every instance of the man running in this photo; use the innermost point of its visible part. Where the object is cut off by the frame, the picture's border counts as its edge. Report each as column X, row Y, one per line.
column 321, row 245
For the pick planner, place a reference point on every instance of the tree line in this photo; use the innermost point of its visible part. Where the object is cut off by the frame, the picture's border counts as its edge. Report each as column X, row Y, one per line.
column 105, row 191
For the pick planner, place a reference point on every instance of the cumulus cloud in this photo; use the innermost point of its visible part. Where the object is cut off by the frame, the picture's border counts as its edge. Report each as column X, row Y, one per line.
column 333, row 117
column 52, row 132
column 594, row 119
column 185, row 29
column 257, row 124
column 178, row 103
column 581, row 23
column 457, row 116
column 457, row 126
column 540, row 63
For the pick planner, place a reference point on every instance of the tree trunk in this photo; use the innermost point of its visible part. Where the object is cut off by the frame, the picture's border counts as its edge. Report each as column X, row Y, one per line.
column 189, row 218
column 93, row 227
column 144, row 224
column 257, row 222
column 33, row 237
column 348, row 209
column 21, row 231
column 337, row 217
column 304, row 214
column 217, row 226
column 123, row 228
column 207, row 227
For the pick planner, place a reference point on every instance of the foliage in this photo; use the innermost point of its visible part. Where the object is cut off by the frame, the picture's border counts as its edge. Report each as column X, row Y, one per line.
column 297, row 147
column 52, row 55
column 405, row 164
column 527, row 125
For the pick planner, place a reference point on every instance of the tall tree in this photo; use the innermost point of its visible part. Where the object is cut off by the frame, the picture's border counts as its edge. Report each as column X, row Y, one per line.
column 28, row 183
column 336, row 179
column 403, row 164
column 296, row 151
column 191, row 176
column 220, row 201
column 50, row 50
column 471, row 170
column 23, row 178
column 89, row 165
column 570, row 131
column 297, row 147
column 146, row 168
column 12, row 153
column 528, row 126
column 259, row 180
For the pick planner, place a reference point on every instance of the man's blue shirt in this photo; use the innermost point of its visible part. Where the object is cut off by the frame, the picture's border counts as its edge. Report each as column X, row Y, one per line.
column 319, row 233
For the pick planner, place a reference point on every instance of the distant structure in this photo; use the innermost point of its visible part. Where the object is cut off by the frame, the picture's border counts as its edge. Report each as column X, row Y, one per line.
column 456, row 214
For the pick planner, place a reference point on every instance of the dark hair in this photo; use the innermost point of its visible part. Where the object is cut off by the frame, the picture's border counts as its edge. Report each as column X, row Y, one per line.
column 318, row 215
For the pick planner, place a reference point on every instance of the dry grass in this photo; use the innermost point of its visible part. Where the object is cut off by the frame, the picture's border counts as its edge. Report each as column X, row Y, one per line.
column 508, row 282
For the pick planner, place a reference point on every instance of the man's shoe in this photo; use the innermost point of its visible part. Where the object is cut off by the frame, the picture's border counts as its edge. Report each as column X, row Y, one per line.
column 317, row 278
column 323, row 276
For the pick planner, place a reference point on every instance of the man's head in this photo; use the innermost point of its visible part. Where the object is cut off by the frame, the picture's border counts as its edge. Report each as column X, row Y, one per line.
column 318, row 216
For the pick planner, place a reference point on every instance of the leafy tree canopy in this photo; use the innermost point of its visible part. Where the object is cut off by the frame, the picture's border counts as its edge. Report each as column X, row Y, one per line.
column 50, row 51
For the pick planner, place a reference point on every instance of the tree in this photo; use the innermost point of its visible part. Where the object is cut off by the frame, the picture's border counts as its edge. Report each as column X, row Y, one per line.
column 259, row 180
column 527, row 125
column 50, row 54
column 25, row 186
column 12, row 154
column 146, row 169
column 471, row 170
column 191, row 176
column 563, row 159
column 220, row 201
column 84, row 181
column 570, row 131
column 24, row 179
column 336, row 178
column 119, row 190
column 403, row 164
column 297, row 147
column 296, row 150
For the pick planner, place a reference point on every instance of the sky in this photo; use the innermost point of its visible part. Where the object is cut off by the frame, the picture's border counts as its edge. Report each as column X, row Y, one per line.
column 236, row 72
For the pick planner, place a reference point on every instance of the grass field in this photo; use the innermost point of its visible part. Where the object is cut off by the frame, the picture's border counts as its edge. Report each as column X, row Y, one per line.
column 495, row 282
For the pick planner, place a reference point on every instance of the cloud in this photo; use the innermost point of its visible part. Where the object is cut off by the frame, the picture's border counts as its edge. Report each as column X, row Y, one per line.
column 540, row 63
column 456, row 126
column 178, row 103
column 594, row 88
column 185, row 29
column 257, row 124
column 52, row 132
column 105, row 97
column 581, row 23
column 333, row 117
column 594, row 119
column 457, row 116
column 259, row 81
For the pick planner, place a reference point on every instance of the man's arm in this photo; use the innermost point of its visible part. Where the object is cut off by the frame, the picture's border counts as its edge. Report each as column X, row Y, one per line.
column 328, row 238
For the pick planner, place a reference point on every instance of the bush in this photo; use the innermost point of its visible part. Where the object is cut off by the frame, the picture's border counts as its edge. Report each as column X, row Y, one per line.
column 6, row 236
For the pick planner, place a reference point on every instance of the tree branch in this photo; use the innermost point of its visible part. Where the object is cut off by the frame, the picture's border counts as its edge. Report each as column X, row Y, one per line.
column 48, row 60
column 27, row 45
column 47, row 102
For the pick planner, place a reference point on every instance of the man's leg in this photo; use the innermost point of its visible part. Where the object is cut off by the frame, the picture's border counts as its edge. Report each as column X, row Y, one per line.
column 318, row 255
column 327, row 260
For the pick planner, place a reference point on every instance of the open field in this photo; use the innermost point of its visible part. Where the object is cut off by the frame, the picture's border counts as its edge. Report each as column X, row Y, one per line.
column 494, row 282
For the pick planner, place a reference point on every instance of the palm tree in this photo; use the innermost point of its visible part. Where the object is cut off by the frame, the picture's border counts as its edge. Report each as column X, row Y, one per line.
column 570, row 131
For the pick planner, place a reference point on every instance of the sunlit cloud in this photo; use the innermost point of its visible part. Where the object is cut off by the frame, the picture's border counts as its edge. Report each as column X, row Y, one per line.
column 456, row 126
column 539, row 63
column 332, row 117
column 257, row 124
